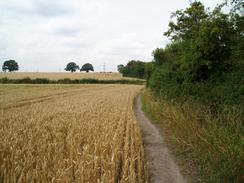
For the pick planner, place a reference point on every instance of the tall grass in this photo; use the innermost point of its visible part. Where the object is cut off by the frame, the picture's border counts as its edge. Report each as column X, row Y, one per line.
column 213, row 142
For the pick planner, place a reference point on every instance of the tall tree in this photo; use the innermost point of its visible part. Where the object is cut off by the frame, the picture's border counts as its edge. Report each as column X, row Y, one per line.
column 120, row 68
column 10, row 65
column 206, row 38
column 87, row 67
column 159, row 56
column 212, row 48
column 187, row 23
column 72, row 66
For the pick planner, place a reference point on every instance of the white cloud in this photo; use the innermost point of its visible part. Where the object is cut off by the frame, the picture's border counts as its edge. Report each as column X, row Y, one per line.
column 46, row 34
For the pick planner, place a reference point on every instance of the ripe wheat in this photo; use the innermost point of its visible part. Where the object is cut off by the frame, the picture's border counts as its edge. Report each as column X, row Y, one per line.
column 68, row 133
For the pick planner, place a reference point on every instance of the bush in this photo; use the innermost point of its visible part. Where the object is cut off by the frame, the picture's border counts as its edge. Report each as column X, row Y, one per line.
column 64, row 81
column 4, row 80
column 28, row 80
column 41, row 81
column 203, row 68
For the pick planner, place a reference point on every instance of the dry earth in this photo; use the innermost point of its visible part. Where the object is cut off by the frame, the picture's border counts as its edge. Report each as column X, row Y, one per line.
column 162, row 168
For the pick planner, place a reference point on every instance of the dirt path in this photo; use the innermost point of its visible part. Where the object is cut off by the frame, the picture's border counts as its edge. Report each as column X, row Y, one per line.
column 162, row 168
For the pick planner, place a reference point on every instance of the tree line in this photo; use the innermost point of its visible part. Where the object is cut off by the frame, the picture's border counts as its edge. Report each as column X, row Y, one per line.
column 206, row 51
column 203, row 66
column 134, row 68
column 12, row 65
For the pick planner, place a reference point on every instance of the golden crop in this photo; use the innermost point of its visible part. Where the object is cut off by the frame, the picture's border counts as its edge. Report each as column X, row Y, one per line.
column 70, row 133
column 62, row 75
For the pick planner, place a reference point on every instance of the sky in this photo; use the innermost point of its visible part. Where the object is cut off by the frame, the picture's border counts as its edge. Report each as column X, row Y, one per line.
column 44, row 35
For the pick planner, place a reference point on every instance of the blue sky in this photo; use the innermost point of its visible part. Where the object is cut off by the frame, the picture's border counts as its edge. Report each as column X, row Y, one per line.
column 44, row 35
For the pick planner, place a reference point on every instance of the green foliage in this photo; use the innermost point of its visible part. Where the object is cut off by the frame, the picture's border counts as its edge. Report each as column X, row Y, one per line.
column 120, row 68
column 28, row 80
column 159, row 56
column 203, row 42
column 228, row 89
column 72, row 66
column 213, row 46
column 87, row 67
column 10, row 65
column 134, row 69
column 187, row 22
column 203, row 53
column 149, row 68
column 204, row 66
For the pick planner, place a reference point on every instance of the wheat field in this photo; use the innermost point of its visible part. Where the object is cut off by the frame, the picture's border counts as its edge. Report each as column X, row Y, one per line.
column 70, row 133
column 62, row 75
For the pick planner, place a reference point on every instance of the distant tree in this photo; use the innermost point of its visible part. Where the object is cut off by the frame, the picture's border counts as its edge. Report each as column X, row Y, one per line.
column 87, row 67
column 72, row 66
column 10, row 65
column 134, row 69
column 120, row 68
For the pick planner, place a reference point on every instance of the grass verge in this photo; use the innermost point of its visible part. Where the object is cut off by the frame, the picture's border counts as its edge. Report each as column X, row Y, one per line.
column 210, row 148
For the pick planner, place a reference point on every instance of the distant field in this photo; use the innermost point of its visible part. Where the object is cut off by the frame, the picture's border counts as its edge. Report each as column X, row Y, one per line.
column 70, row 133
column 62, row 75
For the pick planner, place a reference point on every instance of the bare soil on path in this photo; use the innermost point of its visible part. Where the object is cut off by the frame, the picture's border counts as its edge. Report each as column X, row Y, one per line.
column 162, row 168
